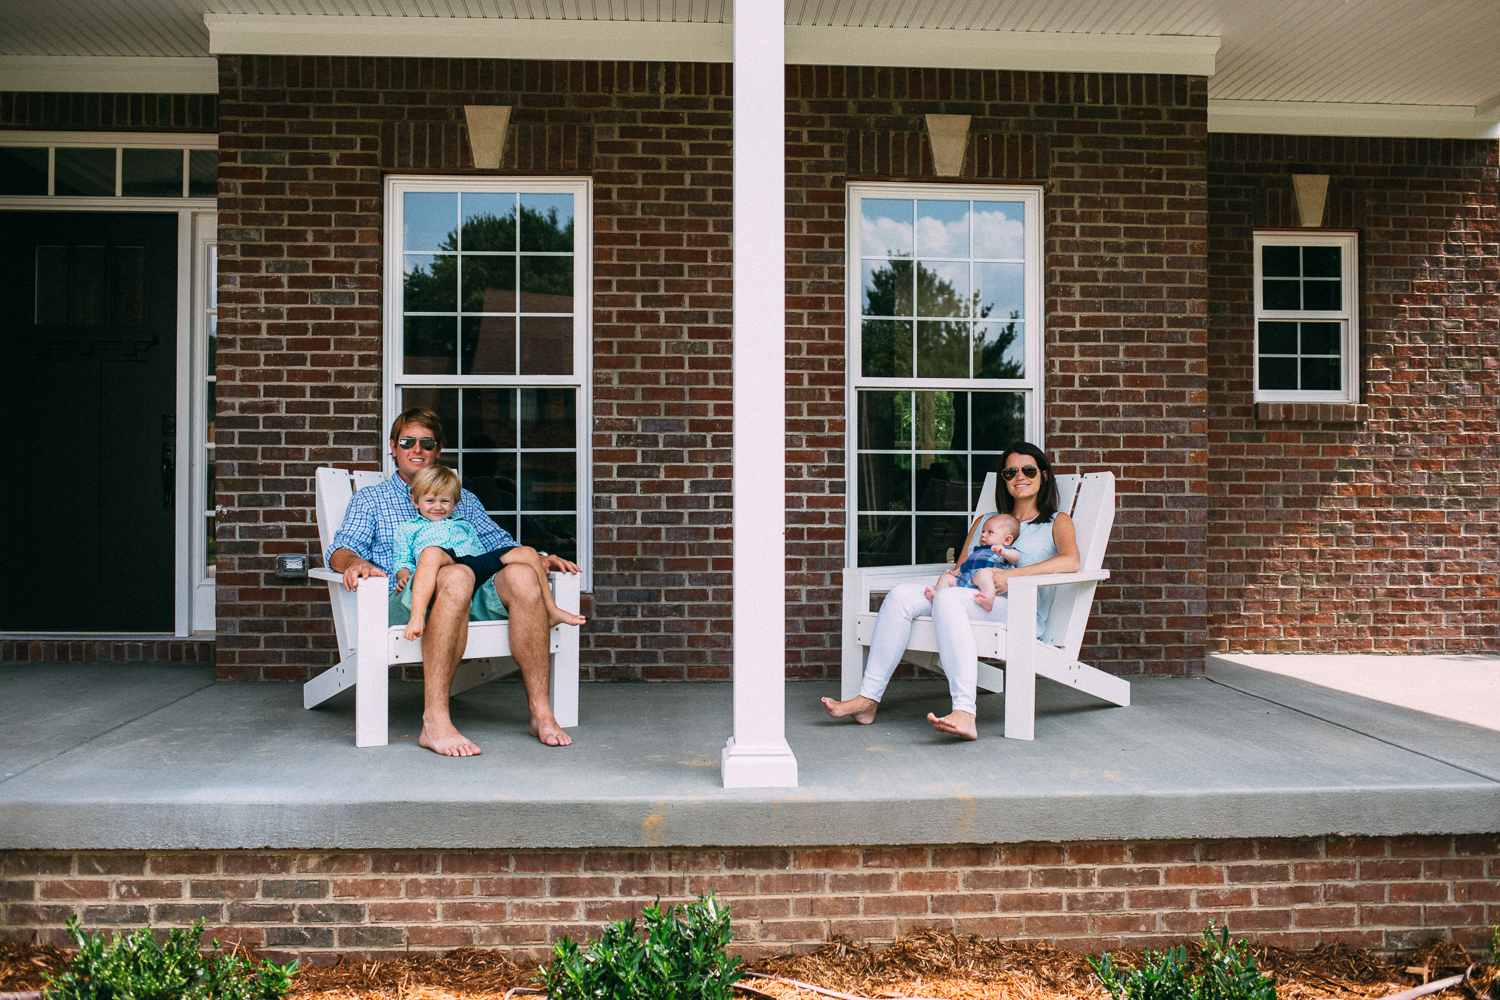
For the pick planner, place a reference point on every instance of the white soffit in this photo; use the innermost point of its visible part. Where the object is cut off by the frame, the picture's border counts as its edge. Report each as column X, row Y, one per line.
column 110, row 74
column 1401, row 121
column 497, row 38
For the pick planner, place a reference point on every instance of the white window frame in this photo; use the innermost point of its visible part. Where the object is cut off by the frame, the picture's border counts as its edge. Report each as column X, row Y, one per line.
column 1032, row 387
column 1347, row 314
column 393, row 381
column 194, row 610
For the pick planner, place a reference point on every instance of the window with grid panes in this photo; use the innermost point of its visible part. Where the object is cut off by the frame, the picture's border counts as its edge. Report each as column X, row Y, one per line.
column 1306, row 317
column 487, row 311
column 945, row 361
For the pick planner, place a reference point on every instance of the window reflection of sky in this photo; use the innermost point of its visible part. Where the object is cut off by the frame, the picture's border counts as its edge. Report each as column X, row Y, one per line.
column 942, row 229
column 428, row 218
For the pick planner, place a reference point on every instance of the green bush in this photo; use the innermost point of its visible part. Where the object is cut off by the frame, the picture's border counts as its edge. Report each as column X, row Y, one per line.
column 1219, row 971
column 680, row 957
column 139, row 967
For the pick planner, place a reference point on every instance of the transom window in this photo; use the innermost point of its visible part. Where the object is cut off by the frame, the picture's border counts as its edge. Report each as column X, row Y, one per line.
column 486, row 324
column 80, row 168
column 1306, row 321
column 945, row 357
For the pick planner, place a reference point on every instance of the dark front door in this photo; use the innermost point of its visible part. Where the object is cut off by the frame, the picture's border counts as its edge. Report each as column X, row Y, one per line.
column 88, row 328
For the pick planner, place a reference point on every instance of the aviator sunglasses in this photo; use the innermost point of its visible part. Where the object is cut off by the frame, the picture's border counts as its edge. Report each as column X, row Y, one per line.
column 1009, row 472
column 427, row 443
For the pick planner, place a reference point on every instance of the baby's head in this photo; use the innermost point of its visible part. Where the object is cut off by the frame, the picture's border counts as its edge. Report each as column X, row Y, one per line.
column 435, row 489
column 1000, row 529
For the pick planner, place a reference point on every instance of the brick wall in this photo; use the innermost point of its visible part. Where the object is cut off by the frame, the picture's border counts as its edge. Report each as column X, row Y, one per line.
column 1378, row 893
column 305, row 143
column 109, row 112
column 1121, row 160
column 63, row 649
column 1373, row 528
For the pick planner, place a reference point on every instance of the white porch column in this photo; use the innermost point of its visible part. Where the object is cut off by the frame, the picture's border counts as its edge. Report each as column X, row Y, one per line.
column 757, row 755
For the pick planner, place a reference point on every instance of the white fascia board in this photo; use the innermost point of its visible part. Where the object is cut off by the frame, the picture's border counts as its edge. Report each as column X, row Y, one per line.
column 512, row 38
column 1015, row 50
column 467, row 38
column 109, row 74
column 1395, row 121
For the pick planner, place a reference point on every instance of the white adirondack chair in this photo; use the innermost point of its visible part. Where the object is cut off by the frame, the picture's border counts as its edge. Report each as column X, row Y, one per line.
column 1054, row 655
column 368, row 647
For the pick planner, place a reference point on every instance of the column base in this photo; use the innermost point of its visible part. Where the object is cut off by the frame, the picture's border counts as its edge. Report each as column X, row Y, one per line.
column 762, row 766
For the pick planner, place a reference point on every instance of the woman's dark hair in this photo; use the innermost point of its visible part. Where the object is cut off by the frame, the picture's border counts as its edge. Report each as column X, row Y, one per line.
column 1046, row 497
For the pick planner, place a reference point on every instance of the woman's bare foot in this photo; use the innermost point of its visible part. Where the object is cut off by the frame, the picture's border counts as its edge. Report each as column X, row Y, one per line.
column 860, row 707
column 560, row 617
column 413, row 630
column 960, row 724
column 550, row 733
column 450, row 744
column 985, row 601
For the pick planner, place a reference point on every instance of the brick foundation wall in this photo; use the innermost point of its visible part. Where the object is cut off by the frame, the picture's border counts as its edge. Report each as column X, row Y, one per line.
column 1378, row 893
column 31, row 650
column 1122, row 164
column 109, row 112
column 1369, row 528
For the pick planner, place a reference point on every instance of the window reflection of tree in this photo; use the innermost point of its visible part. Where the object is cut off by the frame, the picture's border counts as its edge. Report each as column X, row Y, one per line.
column 927, row 423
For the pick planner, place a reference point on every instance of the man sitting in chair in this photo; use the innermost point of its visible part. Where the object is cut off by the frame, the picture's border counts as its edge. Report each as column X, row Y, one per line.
column 365, row 546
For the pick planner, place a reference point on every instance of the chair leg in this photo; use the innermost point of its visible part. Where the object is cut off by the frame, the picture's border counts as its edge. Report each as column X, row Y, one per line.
column 1020, row 664
column 372, row 690
column 564, row 664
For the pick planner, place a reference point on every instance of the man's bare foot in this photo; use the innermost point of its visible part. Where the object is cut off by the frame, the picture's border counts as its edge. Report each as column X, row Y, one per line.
column 927, row 593
column 860, row 707
column 985, row 601
column 550, row 733
column 414, row 629
column 561, row 617
column 960, row 724
column 450, row 744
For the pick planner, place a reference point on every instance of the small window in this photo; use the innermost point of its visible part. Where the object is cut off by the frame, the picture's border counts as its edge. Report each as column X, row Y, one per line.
column 1306, row 318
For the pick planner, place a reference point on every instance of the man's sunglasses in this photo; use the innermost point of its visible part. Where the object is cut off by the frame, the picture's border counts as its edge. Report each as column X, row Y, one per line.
column 428, row 444
column 1009, row 472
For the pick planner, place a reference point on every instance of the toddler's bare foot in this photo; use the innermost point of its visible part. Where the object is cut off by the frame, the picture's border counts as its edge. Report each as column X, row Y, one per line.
column 450, row 742
column 561, row 617
column 860, row 707
column 414, row 630
column 985, row 601
column 960, row 724
column 927, row 593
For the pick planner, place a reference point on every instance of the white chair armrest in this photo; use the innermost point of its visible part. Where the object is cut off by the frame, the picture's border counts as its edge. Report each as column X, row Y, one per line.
column 1056, row 579
column 326, row 575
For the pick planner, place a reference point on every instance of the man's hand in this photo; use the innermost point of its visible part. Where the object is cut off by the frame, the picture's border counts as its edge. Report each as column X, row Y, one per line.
column 560, row 564
column 353, row 567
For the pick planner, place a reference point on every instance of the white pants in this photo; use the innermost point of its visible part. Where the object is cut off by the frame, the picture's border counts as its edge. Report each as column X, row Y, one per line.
column 952, row 609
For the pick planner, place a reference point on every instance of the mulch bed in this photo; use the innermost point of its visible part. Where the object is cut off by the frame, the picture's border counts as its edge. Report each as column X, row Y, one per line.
column 927, row 963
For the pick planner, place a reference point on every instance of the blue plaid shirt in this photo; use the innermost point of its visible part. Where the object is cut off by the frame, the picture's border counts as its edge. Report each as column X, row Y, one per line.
column 372, row 524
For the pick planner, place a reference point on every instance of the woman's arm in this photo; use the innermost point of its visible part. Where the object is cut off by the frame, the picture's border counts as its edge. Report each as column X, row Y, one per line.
column 1067, row 559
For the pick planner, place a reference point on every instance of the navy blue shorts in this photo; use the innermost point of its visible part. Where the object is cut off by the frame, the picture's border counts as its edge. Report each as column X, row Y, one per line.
column 484, row 566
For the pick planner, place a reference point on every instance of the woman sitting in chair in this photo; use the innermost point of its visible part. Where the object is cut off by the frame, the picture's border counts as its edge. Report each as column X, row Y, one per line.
column 1047, row 545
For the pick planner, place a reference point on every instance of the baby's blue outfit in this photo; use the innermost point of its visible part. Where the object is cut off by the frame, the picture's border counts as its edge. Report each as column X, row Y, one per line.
column 982, row 557
column 450, row 533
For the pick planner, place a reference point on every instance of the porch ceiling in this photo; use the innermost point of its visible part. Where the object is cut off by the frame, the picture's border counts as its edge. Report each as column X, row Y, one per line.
column 1388, row 52
column 105, row 757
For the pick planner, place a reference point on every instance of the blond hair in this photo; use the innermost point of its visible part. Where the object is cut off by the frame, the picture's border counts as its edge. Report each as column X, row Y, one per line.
column 438, row 480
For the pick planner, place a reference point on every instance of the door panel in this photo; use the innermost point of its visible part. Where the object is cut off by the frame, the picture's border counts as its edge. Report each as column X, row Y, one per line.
column 88, row 325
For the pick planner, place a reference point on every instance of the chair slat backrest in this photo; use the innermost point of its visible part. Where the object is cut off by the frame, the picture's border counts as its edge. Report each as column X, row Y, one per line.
column 1093, row 517
column 335, row 488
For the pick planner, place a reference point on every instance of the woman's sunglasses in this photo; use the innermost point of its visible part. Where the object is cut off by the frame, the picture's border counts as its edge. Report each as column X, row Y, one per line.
column 427, row 443
column 1009, row 472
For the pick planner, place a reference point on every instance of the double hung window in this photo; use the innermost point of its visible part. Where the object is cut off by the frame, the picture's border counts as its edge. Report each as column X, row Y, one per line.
column 945, row 357
column 487, row 310
column 1306, row 317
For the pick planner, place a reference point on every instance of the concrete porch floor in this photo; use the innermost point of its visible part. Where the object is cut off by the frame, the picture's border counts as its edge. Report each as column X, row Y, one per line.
column 111, row 756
